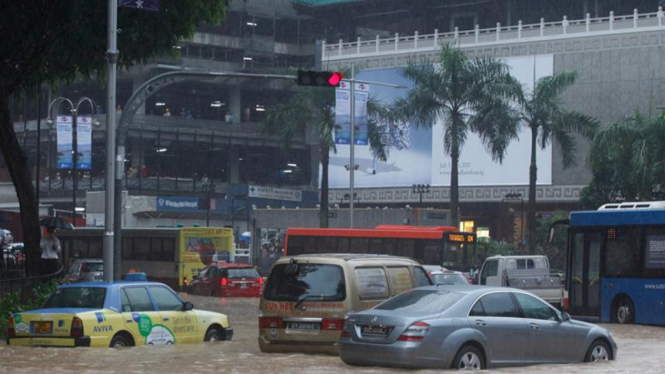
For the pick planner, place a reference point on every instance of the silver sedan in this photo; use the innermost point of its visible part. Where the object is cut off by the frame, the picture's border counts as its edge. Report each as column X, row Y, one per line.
column 472, row 328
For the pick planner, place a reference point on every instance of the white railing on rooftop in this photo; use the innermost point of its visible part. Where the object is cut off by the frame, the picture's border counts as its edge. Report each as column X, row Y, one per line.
column 510, row 34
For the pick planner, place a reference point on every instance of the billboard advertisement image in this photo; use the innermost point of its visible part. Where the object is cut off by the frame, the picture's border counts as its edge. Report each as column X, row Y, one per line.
column 416, row 154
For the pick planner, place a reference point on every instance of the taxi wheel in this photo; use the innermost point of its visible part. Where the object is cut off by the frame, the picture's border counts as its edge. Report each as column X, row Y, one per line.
column 214, row 334
column 119, row 341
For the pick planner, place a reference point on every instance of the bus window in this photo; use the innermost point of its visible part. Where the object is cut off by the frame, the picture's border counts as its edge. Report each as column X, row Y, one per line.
column 654, row 261
column 95, row 247
column 622, row 252
column 359, row 245
column 375, row 246
column 329, row 244
column 127, row 253
column 295, row 245
column 141, row 249
column 432, row 252
column 390, row 247
column 168, row 249
column 406, row 248
column 155, row 249
column 343, row 245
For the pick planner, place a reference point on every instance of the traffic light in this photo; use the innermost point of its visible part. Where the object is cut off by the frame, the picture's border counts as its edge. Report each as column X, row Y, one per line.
column 319, row 78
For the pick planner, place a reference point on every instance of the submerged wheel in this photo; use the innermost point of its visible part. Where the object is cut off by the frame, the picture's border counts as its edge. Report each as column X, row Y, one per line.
column 469, row 358
column 624, row 311
column 599, row 351
column 214, row 334
column 119, row 341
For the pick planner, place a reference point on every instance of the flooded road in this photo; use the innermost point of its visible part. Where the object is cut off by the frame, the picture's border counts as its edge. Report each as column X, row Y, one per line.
column 640, row 350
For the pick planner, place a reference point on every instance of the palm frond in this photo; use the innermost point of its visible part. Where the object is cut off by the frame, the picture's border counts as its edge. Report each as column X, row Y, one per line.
column 548, row 89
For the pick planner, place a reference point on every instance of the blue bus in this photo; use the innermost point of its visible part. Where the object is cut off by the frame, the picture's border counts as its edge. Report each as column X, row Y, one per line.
column 615, row 266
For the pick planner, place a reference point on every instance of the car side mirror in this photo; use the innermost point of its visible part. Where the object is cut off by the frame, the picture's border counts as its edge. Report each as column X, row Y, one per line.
column 565, row 317
column 187, row 306
column 195, row 277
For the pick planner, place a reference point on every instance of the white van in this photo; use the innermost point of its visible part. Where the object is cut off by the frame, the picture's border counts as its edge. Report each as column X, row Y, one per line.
column 530, row 273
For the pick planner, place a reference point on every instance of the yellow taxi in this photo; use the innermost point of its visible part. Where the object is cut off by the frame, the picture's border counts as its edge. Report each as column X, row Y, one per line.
column 116, row 314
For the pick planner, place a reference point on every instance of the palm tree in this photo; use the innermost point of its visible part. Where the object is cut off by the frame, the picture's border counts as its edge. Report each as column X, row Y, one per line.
column 471, row 95
column 543, row 113
column 627, row 159
column 312, row 108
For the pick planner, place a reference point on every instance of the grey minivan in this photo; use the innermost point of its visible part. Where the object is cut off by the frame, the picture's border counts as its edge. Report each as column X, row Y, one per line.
column 469, row 328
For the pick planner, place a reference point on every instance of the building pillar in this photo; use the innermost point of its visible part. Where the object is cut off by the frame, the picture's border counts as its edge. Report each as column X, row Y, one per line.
column 234, row 164
column 137, row 81
column 137, row 149
column 235, row 107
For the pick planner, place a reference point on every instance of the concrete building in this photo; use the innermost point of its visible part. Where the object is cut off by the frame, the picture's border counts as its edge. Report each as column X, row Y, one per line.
column 213, row 134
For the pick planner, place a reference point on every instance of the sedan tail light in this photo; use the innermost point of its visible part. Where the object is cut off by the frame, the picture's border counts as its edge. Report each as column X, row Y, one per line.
column 332, row 324
column 415, row 332
column 260, row 281
column 223, row 282
column 10, row 328
column 346, row 333
column 271, row 323
column 77, row 328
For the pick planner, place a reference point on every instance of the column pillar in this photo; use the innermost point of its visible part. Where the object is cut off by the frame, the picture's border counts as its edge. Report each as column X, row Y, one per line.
column 234, row 164
column 235, row 107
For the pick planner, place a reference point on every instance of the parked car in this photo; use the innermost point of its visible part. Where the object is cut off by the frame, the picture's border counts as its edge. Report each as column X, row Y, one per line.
column 530, row 273
column 224, row 279
column 449, row 278
column 85, row 270
column 98, row 314
column 469, row 327
column 307, row 297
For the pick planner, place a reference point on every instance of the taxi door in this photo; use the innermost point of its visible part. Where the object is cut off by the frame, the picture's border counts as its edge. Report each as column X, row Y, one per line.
column 176, row 321
column 139, row 314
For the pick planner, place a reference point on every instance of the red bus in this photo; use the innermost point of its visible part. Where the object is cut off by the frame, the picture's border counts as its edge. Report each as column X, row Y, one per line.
column 443, row 245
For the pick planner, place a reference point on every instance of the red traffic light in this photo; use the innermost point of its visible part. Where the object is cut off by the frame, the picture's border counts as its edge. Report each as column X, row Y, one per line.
column 319, row 78
column 335, row 78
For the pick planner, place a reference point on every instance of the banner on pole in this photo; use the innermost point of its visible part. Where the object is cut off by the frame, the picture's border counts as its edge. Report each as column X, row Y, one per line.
column 343, row 114
column 84, row 143
column 152, row 5
column 64, row 142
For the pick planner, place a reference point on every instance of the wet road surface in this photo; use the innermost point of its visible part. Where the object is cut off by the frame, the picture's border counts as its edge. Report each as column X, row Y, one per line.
column 641, row 350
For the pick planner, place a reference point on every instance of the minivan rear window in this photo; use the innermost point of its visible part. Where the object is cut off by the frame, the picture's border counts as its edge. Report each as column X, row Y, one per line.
column 312, row 282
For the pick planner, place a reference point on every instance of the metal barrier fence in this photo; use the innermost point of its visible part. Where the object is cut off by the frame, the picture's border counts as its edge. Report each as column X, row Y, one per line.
column 25, row 286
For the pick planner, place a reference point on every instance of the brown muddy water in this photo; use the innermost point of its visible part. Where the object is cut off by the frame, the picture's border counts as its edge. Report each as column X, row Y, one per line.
column 641, row 350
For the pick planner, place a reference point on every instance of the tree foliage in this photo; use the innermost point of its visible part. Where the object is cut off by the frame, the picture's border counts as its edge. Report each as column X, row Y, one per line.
column 311, row 110
column 51, row 41
column 627, row 161
column 544, row 114
column 469, row 95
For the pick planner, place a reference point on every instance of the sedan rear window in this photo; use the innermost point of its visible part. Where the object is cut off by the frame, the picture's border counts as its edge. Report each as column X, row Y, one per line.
column 311, row 282
column 243, row 273
column 421, row 301
column 77, row 297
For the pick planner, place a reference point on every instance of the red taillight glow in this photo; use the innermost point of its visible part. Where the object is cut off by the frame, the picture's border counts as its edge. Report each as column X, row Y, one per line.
column 10, row 328
column 332, row 324
column 223, row 282
column 271, row 323
column 261, row 281
column 566, row 303
column 346, row 333
column 77, row 328
column 415, row 332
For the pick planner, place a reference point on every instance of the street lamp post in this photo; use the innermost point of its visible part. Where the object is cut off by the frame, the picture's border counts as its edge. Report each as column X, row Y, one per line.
column 73, row 108
column 420, row 189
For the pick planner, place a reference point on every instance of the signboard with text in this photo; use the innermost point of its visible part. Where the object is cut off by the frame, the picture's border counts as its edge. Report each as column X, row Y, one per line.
column 275, row 193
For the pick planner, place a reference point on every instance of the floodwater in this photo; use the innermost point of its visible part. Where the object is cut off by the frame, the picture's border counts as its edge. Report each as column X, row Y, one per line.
column 640, row 351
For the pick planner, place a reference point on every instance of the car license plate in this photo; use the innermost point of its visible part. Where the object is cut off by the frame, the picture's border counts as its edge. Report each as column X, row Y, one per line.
column 243, row 286
column 309, row 327
column 42, row 328
column 374, row 330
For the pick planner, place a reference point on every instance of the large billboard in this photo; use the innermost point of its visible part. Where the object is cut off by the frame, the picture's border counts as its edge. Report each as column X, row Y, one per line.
column 416, row 155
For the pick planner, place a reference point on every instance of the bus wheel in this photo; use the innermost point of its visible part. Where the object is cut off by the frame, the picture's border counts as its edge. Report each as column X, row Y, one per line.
column 624, row 311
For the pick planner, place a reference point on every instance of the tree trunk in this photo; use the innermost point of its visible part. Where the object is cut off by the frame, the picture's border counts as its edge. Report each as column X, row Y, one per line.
column 533, row 176
column 17, row 165
column 323, row 211
column 454, row 177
